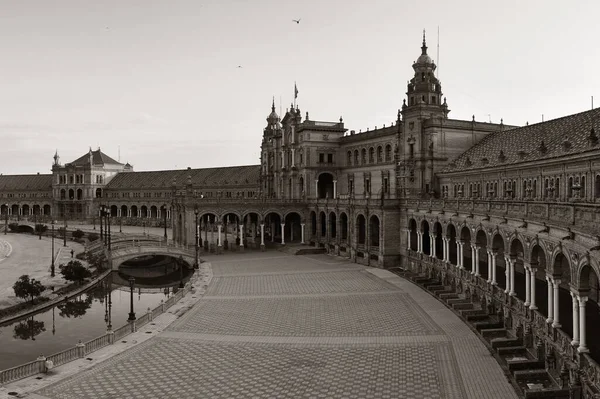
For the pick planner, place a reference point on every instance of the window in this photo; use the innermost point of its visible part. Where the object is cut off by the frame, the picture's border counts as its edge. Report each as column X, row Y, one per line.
column 388, row 153
column 371, row 155
column 363, row 155
column 433, row 99
column 379, row 154
column 329, row 158
column 385, row 185
column 321, row 158
column 350, row 186
column 355, row 157
column 367, row 185
column 349, row 160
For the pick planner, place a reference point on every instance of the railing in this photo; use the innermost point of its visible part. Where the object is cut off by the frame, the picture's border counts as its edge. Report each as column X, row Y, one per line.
column 580, row 213
column 66, row 356
column 82, row 349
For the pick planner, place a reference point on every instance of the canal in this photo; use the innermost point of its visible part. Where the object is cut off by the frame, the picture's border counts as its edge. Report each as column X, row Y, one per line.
column 87, row 316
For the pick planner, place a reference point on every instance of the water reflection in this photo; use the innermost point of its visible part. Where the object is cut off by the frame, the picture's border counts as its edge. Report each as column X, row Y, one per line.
column 89, row 315
column 28, row 329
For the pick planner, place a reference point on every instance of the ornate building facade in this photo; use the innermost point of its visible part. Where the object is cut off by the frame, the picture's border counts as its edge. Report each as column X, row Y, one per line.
column 506, row 217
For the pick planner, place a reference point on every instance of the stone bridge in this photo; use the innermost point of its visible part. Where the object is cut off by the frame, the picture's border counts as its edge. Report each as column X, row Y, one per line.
column 130, row 247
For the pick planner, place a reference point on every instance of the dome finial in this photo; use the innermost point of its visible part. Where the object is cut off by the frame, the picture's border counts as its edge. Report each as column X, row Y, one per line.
column 273, row 105
column 424, row 47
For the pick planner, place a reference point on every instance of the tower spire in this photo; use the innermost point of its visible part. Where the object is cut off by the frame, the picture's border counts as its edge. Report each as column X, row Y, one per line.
column 273, row 105
column 424, row 47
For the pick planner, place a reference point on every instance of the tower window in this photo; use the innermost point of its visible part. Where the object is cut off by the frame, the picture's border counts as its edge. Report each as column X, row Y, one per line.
column 423, row 98
column 412, row 101
column 433, row 99
column 422, row 76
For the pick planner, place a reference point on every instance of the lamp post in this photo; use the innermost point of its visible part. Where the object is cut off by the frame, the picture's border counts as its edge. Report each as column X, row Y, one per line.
column 196, row 266
column 65, row 232
column 6, row 220
column 109, row 217
column 164, row 209
column 120, row 224
column 131, row 312
column 181, row 285
column 101, row 222
column 52, row 266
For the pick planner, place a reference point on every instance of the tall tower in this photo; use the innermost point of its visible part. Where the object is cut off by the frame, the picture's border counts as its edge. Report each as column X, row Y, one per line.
column 423, row 102
column 269, row 160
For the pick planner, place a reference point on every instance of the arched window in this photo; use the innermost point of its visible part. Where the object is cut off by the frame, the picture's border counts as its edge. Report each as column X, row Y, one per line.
column 349, row 158
column 379, row 154
column 363, row 156
column 371, row 155
column 570, row 188
column 597, row 187
column 388, row 153
column 582, row 187
column 355, row 157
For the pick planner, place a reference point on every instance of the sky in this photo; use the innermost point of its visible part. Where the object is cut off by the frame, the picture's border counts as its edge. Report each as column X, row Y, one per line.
column 156, row 83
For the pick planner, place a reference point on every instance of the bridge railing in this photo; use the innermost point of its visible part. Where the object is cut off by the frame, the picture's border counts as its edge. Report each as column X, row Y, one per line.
column 81, row 350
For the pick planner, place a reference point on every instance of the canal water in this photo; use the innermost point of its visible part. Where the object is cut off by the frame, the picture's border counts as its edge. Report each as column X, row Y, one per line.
column 87, row 316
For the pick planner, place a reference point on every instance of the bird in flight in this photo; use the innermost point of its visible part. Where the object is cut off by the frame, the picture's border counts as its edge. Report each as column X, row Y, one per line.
column 239, row 66
column 297, row 20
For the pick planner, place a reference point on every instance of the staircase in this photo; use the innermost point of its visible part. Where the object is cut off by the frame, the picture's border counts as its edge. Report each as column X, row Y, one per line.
column 527, row 372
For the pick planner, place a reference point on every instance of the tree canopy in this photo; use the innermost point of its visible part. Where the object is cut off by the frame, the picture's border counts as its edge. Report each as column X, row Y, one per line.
column 75, row 271
column 28, row 288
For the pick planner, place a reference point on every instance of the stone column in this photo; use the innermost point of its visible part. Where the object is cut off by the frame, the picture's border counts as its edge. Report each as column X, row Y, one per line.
column 241, row 235
column 494, row 269
column 302, row 233
column 532, row 304
column 507, row 273
column 460, row 255
column 334, row 189
column 432, row 245
column 444, row 251
column 575, row 340
column 407, row 239
column 477, row 260
column 317, row 188
column 512, row 277
column 262, row 235
column 282, row 233
column 551, row 300
column 582, row 336
column 219, row 227
column 527, row 286
column 556, row 284
column 418, row 242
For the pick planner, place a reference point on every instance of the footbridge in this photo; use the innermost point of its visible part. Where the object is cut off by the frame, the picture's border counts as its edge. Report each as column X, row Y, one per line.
column 133, row 246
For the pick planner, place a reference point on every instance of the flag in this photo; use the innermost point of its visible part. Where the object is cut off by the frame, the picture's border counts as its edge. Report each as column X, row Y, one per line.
column 295, row 91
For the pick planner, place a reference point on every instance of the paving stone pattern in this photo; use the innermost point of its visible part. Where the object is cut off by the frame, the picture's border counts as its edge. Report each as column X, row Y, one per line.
column 307, row 283
column 300, row 327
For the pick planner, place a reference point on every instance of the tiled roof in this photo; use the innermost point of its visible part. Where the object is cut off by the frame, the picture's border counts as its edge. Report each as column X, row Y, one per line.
column 25, row 182
column 555, row 138
column 98, row 158
column 232, row 175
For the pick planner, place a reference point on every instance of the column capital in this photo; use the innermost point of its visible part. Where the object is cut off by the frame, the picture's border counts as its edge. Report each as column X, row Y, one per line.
column 556, row 281
column 582, row 300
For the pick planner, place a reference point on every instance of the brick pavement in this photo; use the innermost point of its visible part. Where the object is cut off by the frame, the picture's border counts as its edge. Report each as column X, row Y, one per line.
column 298, row 327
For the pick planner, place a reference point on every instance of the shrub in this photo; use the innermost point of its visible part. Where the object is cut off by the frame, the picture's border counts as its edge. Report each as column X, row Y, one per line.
column 93, row 237
column 78, row 234
column 40, row 228
column 13, row 226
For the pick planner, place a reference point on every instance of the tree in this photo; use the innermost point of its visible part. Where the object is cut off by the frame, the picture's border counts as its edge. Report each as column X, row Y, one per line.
column 77, row 234
column 26, row 288
column 75, row 271
column 93, row 237
column 40, row 228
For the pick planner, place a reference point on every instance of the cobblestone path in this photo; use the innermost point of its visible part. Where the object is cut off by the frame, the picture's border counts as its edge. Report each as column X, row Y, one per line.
column 277, row 326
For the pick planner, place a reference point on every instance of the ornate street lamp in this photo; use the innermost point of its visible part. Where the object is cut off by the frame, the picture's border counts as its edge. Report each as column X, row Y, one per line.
column 164, row 210
column 101, row 223
column 65, row 232
column 131, row 312
column 109, row 217
column 52, row 266
column 181, row 285
column 6, row 220
column 196, row 265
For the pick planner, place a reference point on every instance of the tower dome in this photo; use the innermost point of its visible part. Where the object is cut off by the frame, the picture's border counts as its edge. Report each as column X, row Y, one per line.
column 273, row 118
column 424, row 58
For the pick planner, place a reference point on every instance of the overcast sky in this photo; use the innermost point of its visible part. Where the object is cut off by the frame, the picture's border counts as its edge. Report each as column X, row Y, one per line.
column 159, row 79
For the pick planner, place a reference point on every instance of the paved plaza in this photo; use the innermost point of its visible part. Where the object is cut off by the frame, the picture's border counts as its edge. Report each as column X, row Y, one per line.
column 272, row 325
